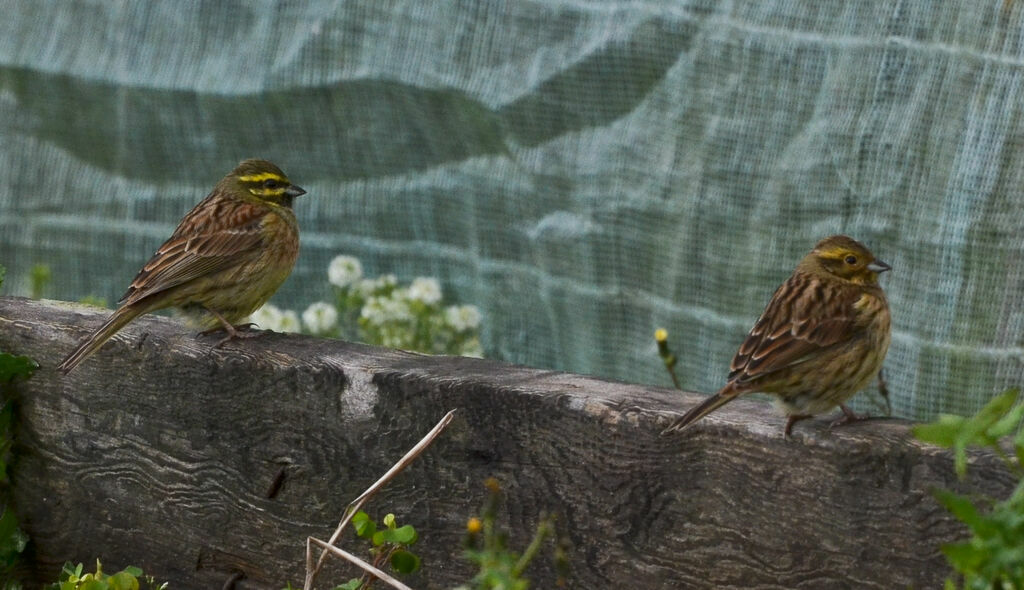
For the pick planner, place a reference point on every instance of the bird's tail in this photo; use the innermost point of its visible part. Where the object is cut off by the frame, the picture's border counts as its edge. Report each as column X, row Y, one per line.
column 115, row 322
column 700, row 410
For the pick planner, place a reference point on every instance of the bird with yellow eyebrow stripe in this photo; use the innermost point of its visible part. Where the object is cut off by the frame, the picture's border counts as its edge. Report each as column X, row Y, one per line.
column 226, row 258
column 821, row 339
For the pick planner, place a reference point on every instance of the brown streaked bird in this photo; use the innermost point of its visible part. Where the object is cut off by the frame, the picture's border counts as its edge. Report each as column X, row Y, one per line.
column 821, row 339
column 225, row 259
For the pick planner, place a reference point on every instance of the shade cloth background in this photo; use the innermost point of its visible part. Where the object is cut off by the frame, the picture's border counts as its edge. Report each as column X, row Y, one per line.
column 583, row 171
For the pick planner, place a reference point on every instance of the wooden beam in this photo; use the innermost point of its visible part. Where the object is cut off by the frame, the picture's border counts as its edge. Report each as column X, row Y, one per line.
column 159, row 451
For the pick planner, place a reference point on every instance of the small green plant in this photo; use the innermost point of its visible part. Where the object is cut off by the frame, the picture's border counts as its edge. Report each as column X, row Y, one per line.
column 389, row 545
column 993, row 558
column 130, row 578
column 486, row 545
column 12, row 539
column 667, row 357
column 40, row 277
column 382, row 312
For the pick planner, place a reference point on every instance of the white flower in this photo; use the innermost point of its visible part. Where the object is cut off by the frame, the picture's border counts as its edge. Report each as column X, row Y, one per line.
column 320, row 317
column 425, row 290
column 472, row 348
column 368, row 287
column 380, row 310
column 289, row 322
column 462, row 317
column 267, row 317
column 344, row 271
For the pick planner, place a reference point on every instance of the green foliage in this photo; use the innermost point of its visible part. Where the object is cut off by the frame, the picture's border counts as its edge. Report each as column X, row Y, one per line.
column 40, row 278
column 993, row 558
column 389, row 544
column 94, row 301
column 12, row 539
column 130, row 578
column 486, row 544
column 13, row 367
column 997, row 419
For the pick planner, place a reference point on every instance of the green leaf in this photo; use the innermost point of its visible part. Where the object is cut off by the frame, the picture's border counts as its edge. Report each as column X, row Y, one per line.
column 964, row 557
column 353, row 584
column 960, row 506
column 6, row 418
column 122, row 581
column 942, row 432
column 389, row 521
column 1018, row 444
column 364, row 525
column 404, row 535
column 137, row 572
column 999, row 405
column 404, row 562
column 12, row 540
column 72, row 570
column 378, row 538
column 1007, row 424
column 93, row 585
column 15, row 366
column 998, row 418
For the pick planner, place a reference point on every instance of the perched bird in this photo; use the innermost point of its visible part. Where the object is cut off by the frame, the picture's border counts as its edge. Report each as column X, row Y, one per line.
column 821, row 339
column 226, row 258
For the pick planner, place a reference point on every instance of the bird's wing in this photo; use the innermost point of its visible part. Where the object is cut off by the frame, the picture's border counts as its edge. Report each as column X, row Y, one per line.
column 804, row 317
column 213, row 236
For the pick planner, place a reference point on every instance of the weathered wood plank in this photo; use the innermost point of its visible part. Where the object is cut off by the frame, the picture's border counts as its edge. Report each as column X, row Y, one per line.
column 159, row 450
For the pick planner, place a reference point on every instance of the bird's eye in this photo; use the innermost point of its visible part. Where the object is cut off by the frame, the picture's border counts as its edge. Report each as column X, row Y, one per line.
column 851, row 259
column 270, row 183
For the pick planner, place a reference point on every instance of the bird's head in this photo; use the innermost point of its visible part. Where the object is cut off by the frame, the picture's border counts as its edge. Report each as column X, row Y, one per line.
column 845, row 258
column 264, row 181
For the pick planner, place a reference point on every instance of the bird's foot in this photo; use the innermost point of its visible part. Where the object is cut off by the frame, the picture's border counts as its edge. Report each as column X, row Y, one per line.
column 847, row 417
column 234, row 332
column 793, row 419
column 237, row 328
column 239, row 332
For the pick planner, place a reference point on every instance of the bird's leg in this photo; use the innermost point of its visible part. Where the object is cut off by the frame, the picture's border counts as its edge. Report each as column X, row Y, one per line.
column 848, row 416
column 233, row 332
column 883, row 390
column 793, row 419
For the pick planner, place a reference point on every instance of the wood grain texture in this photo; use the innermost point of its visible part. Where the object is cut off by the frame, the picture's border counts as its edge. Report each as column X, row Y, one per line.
column 159, row 452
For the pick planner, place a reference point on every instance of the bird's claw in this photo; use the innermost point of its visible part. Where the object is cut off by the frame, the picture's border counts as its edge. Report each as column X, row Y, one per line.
column 236, row 335
column 847, row 417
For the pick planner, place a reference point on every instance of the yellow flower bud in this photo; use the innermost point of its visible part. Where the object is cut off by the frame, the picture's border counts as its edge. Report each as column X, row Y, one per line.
column 474, row 525
column 661, row 334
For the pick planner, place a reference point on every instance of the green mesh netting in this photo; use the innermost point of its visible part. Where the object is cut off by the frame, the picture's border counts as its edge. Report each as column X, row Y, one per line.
column 583, row 171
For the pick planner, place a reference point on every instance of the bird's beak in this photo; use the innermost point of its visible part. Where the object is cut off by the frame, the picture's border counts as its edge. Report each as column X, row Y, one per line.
column 878, row 266
column 294, row 191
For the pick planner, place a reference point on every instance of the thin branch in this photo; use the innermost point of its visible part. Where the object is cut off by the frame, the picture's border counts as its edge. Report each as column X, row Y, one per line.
column 357, row 504
column 408, row 458
column 380, row 574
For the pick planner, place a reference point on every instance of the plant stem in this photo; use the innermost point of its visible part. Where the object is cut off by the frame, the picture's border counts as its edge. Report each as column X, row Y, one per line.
column 543, row 531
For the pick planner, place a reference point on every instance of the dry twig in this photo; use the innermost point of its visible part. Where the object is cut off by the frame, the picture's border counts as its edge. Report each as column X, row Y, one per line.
column 357, row 504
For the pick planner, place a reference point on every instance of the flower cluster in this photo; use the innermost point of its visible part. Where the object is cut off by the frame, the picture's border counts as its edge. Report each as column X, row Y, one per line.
column 382, row 312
